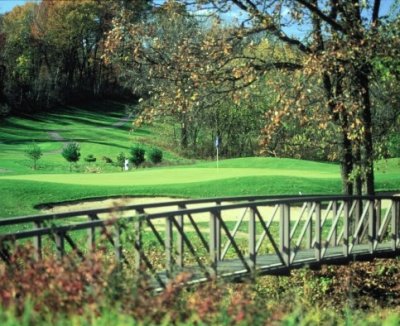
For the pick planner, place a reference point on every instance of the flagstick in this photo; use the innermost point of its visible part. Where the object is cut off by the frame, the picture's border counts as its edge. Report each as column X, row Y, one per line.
column 217, row 158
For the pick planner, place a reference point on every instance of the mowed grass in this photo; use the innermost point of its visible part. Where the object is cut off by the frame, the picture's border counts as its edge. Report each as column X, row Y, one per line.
column 93, row 126
column 20, row 193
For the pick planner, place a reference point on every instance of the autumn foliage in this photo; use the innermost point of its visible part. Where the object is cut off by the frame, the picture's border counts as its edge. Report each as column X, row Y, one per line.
column 94, row 287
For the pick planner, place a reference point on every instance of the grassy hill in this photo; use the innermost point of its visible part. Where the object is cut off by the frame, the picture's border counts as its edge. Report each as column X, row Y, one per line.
column 104, row 130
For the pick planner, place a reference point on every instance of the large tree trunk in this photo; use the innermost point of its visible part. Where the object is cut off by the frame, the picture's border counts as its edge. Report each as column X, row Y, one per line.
column 346, row 164
column 367, row 142
column 346, row 155
column 184, row 134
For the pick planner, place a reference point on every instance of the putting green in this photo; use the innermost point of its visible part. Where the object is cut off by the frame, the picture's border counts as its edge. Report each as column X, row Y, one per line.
column 168, row 176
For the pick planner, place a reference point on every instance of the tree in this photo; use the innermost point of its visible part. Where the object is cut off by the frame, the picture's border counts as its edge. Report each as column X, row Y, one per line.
column 336, row 50
column 71, row 152
column 137, row 155
column 120, row 161
column 34, row 153
column 155, row 155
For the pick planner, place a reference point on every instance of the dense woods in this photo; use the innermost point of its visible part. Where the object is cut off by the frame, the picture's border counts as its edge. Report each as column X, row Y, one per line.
column 312, row 79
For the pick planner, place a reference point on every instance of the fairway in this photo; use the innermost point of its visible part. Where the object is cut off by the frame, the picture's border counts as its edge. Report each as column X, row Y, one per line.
column 169, row 176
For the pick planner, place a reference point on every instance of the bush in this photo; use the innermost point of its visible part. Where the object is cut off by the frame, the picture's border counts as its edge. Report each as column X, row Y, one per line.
column 137, row 155
column 107, row 159
column 155, row 156
column 72, row 153
column 120, row 160
column 90, row 158
column 34, row 152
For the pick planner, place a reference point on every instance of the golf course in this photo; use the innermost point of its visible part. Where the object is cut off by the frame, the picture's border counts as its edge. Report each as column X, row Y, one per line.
column 104, row 130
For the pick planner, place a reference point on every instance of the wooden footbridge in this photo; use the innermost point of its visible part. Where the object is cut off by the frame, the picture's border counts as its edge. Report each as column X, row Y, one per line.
column 221, row 237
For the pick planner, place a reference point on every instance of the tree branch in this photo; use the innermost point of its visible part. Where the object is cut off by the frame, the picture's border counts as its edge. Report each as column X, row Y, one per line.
column 323, row 16
column 375, row 13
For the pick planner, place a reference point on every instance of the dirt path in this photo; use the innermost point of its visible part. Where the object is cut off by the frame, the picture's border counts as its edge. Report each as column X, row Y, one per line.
column 54, row 135
column 122, row 121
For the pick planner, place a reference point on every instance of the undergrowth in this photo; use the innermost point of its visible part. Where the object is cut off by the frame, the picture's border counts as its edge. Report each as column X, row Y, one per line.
column 96, row 291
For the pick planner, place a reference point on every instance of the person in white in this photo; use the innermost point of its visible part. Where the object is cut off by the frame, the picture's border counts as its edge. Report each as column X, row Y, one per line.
column 126, row 167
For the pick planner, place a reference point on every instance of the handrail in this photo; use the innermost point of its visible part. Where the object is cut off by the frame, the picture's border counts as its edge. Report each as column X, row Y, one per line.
column 51, row 216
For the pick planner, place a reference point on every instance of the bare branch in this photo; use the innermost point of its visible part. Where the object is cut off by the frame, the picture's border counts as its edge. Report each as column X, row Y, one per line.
column 332, row 22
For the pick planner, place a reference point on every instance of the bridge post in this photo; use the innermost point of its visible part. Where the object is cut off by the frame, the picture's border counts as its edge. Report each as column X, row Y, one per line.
column 317, row 244
column 218, row 232
column 334, row 213
column 214, row 241
column 252, row 240
column 138, row 244
column 117, row 243
column 180, row 249
column 378, row 213
column 60, row 244
column 168, row 245
column 346, row 227
column 91, row 241
column 395, row 224
column 284, row 233
column 37, row 242
column 371, row 226
column 309, row 228
column 356, row 220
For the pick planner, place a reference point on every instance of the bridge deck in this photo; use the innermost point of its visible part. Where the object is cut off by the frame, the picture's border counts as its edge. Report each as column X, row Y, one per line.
column 271, row 264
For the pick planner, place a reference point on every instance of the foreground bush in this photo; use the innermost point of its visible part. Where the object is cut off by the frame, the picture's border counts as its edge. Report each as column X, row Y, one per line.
column 95, row 292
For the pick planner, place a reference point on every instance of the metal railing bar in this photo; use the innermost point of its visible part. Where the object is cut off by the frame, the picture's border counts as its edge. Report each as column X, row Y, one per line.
column 303, row 232
column 270, row 237
column 190, row 247
column 328, row 211
column 359, row 227
column 354, row 204
column 298, row 220
column 52, row 216
column 198, row 232
column 74, row 246
column 234, row 231
column 263, row 235
column 257, row 200
column 385, row 223
column 156, row 233
column 332, row 230
column 228, row 234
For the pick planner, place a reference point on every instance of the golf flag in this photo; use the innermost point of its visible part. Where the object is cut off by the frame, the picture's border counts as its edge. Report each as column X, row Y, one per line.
column 217, row 142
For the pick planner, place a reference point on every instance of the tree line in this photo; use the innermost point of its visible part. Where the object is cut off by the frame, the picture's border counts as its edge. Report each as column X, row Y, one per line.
column 50, row 53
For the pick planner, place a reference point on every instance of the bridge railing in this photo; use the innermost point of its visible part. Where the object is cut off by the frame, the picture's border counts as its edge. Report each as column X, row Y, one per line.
column 221, row 236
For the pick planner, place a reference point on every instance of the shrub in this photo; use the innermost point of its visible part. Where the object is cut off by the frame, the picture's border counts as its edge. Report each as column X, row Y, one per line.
column 155, row 156
column 90, row 158
column 107, row 159
column 120, row 160
column 137, row 155
column 34, row 152
column 71, row 152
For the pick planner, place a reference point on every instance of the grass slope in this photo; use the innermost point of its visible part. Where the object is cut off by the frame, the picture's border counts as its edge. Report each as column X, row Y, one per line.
column 101, row 129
